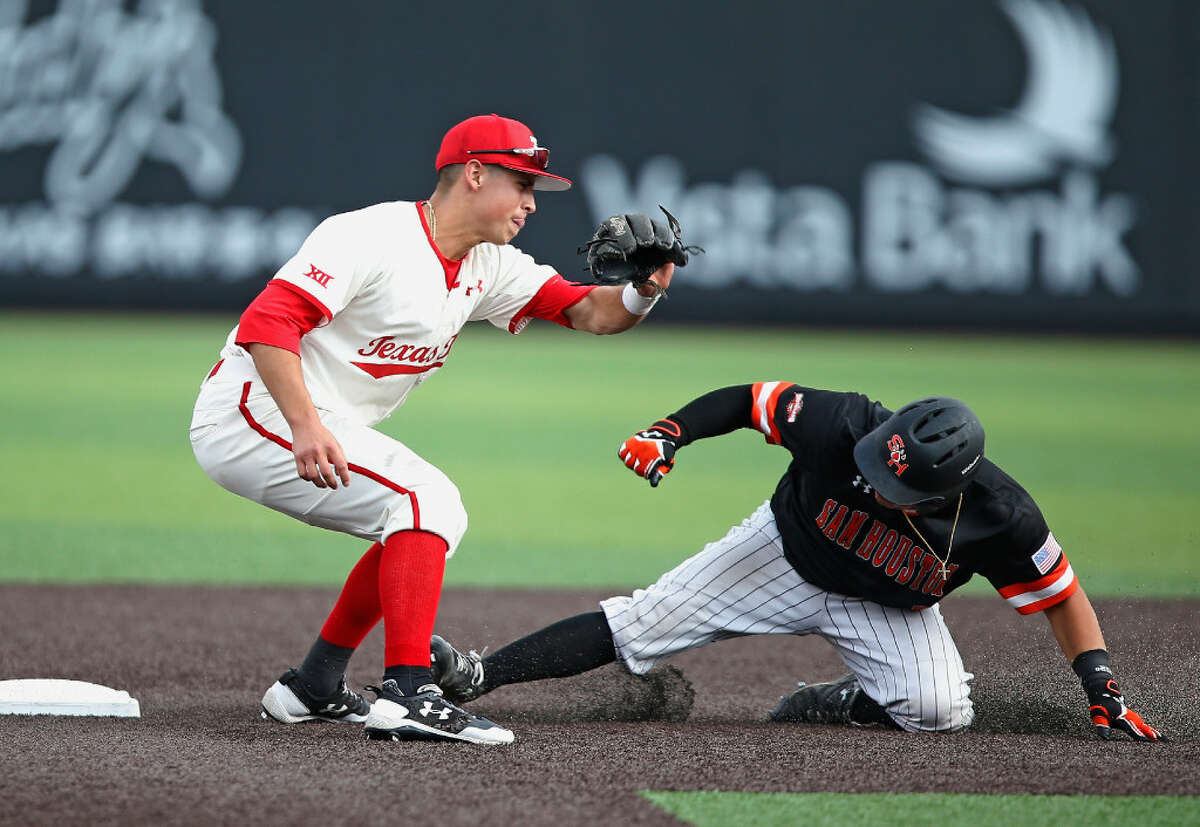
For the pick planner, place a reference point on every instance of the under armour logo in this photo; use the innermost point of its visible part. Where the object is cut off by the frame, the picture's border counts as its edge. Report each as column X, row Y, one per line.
column 427, row 709
column 335, row 709
column 478, row 286
column 859, row 482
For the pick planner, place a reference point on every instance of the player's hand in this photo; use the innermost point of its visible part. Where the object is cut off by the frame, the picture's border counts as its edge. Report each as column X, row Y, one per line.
column 1108, row 712
column 658, row 282
column 319, row 456
column 651, row 453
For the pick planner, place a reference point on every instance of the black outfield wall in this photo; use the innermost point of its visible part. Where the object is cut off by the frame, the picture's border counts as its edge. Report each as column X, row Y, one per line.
column 1024, row 164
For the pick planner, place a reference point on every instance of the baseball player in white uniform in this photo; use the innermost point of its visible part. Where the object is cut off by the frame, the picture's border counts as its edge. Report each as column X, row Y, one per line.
column 879, row 515
column 367, row 310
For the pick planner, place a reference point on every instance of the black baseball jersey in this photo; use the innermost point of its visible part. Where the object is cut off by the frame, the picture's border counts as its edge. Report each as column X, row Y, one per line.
column 837, row 536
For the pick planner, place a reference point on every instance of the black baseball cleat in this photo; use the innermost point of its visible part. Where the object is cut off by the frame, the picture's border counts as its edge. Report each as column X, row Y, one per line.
column 427, row 716
column 836, row 702
column 459, row 675
column 288, row 701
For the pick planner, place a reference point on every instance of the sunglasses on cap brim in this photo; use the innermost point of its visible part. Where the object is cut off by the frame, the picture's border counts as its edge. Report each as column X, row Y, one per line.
column 539, row 154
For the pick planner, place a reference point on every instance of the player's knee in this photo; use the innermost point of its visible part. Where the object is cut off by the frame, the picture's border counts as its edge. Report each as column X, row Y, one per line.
column 949, row 712
column 957, row 718
column 437, row 507
column 960, row 716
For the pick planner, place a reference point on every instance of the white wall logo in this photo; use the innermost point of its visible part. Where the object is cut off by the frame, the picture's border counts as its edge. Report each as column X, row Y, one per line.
column 1062, row 117
column 112, row 89
column 914, row 231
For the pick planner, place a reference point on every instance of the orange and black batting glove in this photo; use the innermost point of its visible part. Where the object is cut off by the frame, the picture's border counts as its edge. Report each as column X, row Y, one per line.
column 651, row 453
column 1106, row 704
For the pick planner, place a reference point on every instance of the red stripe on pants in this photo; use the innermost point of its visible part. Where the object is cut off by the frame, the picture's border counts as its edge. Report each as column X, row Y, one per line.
column 357, row 469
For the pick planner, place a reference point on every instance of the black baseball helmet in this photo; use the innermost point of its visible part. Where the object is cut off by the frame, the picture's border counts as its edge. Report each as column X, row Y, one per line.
column 923, row 454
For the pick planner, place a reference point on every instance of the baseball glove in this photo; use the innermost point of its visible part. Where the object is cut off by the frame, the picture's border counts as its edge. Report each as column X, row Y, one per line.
column 633, row 246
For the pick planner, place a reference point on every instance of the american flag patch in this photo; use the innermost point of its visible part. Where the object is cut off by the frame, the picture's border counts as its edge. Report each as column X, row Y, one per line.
column 1045, row 556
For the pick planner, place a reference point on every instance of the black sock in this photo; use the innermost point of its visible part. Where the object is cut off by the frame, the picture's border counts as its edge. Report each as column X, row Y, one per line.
column 866, row 711
column 324, row 667
column 408, row 678
column 567, row 647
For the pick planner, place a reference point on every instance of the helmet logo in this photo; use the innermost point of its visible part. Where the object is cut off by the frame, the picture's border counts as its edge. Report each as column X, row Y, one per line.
column 898, row 459
column 970, row 465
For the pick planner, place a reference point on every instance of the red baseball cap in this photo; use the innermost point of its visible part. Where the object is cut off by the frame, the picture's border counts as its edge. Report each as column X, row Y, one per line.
column 492, row 139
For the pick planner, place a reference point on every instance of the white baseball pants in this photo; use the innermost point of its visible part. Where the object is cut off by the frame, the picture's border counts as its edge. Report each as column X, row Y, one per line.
column 243, row 443
column 742, row 584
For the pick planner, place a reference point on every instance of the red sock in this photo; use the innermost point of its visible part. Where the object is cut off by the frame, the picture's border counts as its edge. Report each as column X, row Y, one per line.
column 357, row 609
column 410, row 586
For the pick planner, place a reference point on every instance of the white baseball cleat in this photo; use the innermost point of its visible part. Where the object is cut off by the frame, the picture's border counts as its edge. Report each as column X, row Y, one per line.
column 427, row 716
column 289, row 702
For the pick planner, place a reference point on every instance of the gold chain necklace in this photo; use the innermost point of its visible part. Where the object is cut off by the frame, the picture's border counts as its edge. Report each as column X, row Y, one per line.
column 949, row 546
column 432, row 221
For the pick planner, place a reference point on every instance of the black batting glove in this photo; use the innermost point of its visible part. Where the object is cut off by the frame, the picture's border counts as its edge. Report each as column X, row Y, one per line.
column 1106, row 704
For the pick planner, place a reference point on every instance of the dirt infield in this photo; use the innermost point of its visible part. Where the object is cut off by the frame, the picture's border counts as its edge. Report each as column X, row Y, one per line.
column 198, row 659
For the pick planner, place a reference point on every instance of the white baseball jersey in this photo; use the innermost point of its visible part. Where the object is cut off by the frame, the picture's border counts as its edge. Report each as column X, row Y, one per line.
column 392, row 308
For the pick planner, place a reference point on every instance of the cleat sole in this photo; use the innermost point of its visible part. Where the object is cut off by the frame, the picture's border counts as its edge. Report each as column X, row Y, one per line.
column 416, row 732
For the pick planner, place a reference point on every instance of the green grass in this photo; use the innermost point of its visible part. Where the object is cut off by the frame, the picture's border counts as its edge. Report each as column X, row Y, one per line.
column 720, row 809
column 102, row 486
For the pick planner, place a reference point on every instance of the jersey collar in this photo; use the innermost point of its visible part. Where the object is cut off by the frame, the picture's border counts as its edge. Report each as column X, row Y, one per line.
column 449, row 268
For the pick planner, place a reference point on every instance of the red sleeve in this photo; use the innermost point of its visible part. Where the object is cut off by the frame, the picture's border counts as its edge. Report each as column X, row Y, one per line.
column 554, row 297
column 279, row 316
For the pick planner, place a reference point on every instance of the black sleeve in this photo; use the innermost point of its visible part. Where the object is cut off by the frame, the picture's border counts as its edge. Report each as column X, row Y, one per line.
column 717, row 412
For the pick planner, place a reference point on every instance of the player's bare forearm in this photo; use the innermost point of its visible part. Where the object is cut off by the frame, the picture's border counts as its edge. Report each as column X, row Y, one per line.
column 1075, row 625
column 280, row 372
column 1078, row 632
column 319, row 456
column 603, row 311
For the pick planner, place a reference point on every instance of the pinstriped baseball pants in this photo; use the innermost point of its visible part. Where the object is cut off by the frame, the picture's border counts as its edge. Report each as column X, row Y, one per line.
column 743, row 585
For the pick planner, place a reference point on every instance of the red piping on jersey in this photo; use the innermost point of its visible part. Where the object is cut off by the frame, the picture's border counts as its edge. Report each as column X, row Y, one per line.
column 216, row 368
column 380, row 371
column 449, row 267
column 358, row 469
